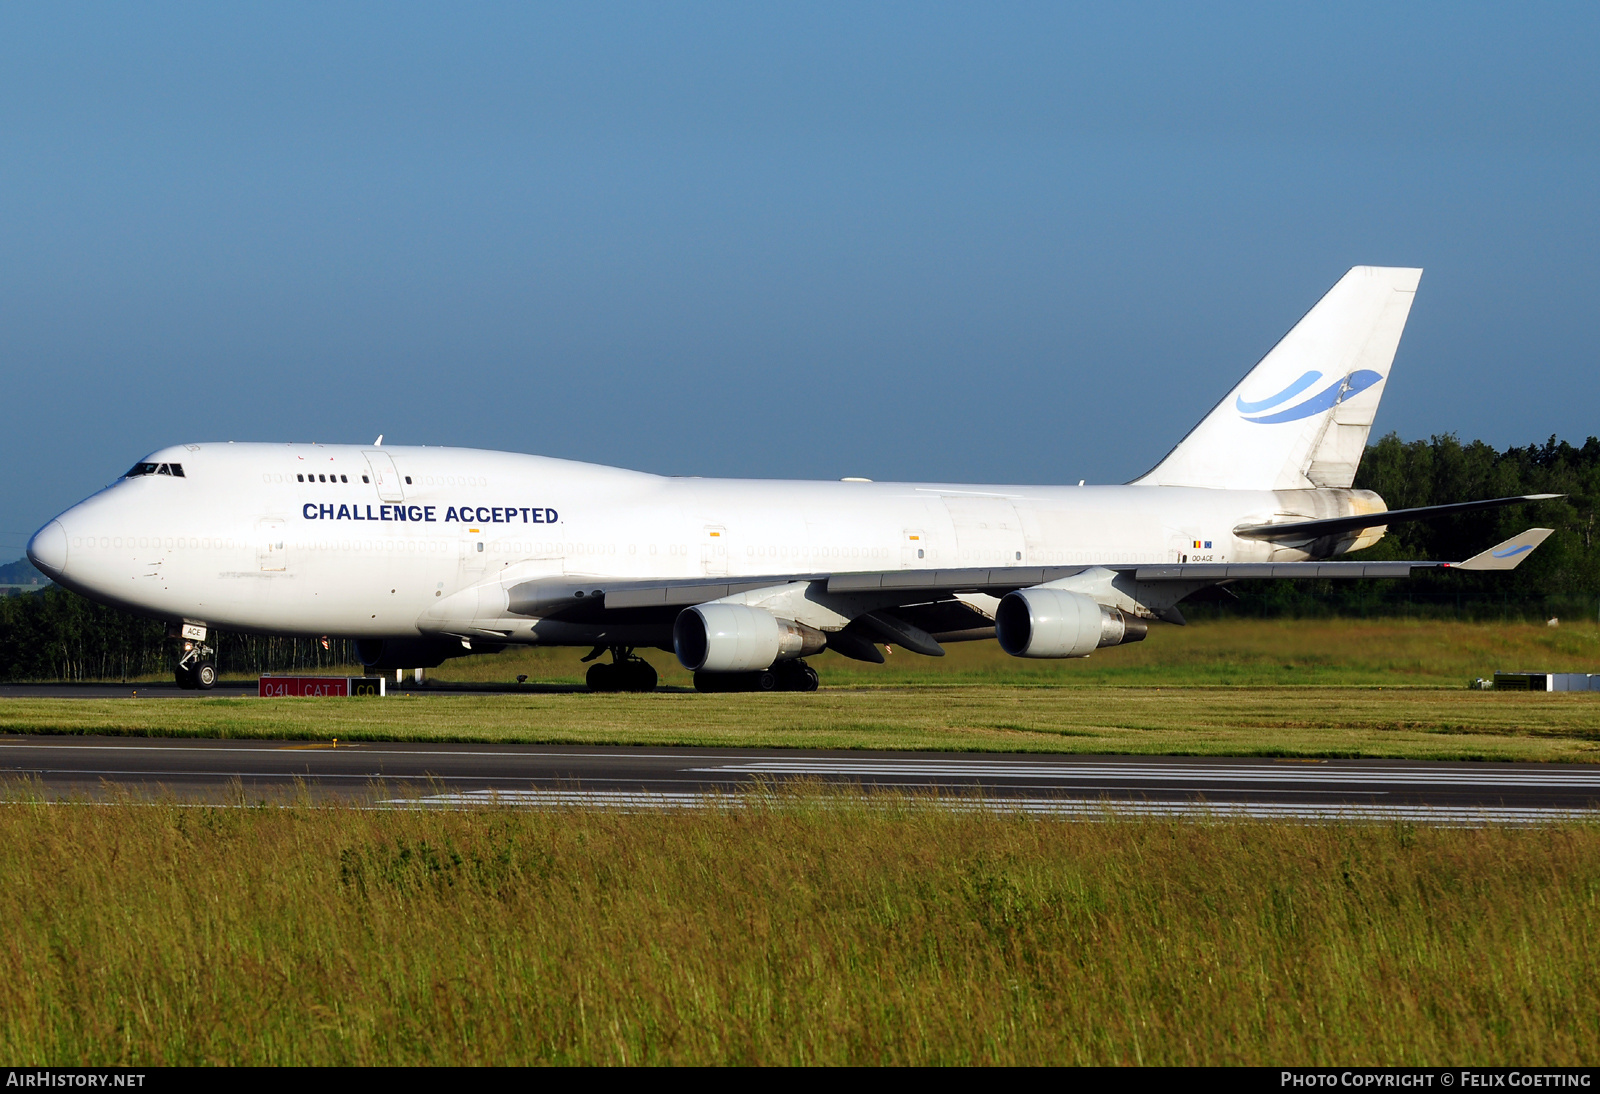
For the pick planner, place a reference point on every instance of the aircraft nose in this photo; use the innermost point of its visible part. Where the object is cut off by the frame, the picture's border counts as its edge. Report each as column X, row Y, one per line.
column 48, row 550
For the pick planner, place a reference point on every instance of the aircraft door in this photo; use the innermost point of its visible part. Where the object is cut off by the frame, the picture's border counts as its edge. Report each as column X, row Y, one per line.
column 384, row 476
column 914, row 552
column 714, row 551
column 474, row 554
column 270, row 546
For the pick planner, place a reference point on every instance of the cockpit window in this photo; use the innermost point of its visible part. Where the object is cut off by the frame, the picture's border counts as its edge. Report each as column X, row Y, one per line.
column 173, row 469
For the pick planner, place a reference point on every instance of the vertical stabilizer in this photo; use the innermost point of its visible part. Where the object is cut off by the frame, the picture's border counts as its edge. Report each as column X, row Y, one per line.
column 1300, row 418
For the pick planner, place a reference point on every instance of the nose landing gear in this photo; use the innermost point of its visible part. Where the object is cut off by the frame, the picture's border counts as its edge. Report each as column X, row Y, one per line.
column 626, row 672
column 197, row 667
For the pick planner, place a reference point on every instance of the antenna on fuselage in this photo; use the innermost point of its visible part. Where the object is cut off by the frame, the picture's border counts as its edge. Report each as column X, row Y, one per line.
column 379, row 441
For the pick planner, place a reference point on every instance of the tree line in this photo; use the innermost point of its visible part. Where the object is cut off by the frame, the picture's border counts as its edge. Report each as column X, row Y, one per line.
column 58, row 635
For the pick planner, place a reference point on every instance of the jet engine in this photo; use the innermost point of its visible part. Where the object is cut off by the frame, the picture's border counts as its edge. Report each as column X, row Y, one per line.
column 1044, row 622
column 737, row 638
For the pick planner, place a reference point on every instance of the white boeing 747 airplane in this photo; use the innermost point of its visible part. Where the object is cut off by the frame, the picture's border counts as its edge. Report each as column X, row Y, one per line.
column 426, row 553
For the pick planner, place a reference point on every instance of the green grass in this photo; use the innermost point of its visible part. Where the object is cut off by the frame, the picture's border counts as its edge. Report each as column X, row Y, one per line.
column 802, row 931
column 817, row 928
column 1231, row 652
column 1282, row 688
column 1222, row 653
column 1311, row 721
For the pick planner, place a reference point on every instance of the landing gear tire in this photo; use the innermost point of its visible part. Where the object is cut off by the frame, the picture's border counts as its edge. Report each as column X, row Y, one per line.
column 718, row 681
column 796, row 676
column 628, row 673
column 205, row 676
column 184, row 678
column 641, row 675
column 600, row 677
column 784, row 676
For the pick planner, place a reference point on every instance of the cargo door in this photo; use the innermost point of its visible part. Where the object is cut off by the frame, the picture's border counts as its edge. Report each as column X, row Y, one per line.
column 384, row 476
column 270, row 546
column 988, row 531
column 1189, row 545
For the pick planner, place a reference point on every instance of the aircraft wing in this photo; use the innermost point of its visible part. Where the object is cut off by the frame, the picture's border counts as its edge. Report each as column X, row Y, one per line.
column 575, row 595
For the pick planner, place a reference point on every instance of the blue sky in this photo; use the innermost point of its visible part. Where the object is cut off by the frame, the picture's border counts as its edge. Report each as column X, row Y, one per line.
column 981, row 243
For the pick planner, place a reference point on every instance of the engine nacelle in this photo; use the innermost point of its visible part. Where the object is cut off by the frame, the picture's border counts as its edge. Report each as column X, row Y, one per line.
column 1056, row 623
column 737, row 638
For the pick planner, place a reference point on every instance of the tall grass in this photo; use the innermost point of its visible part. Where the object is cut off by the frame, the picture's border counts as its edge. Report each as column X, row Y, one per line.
column 809, row 930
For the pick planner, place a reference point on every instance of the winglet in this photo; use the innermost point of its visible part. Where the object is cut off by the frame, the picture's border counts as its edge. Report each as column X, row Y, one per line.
column 1506, row 556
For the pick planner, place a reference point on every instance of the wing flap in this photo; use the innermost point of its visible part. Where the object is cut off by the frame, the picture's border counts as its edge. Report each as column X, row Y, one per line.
column 1235, row 571
column 1011, row 577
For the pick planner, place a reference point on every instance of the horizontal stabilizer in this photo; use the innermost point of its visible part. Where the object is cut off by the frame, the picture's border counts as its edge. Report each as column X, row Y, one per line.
column 1507, row 555
column 1302, row 530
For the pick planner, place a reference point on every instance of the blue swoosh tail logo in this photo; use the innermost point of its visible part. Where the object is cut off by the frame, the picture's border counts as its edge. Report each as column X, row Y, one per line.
column 1282, row 397
column 1513, row 552
column 1329, row 397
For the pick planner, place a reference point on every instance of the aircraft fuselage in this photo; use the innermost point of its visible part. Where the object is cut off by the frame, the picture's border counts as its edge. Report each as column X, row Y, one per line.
column 359, row 541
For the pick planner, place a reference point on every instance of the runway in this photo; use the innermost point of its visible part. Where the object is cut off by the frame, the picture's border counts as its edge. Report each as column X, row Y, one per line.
column 463, row 775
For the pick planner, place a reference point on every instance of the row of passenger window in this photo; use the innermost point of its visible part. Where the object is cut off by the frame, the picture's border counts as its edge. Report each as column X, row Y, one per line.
column 151, row 541
column 174, row 469
column 308, row 477
column 331, row 478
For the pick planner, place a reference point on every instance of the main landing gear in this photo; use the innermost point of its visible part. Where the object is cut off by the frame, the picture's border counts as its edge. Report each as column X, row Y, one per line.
column 793, row 675
column 197, row 667
column 626, row 672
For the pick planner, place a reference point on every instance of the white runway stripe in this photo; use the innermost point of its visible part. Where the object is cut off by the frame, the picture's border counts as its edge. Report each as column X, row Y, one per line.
column 1083, row 809
column 1000, row 769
